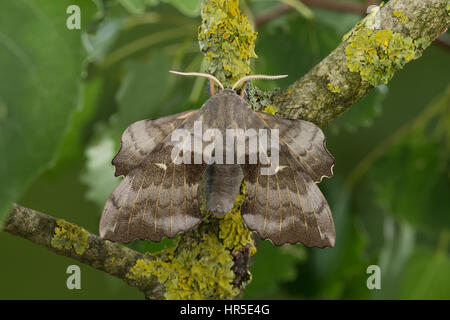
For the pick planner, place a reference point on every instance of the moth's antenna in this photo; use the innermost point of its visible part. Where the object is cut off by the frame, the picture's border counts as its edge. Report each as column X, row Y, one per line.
column 256, row 76
column 199, row 74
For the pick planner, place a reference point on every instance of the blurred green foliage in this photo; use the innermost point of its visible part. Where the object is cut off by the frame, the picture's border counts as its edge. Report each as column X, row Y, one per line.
column 67, row 95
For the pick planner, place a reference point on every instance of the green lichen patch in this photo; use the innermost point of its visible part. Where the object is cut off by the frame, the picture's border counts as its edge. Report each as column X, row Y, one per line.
column 270, row 109
column 376, row 55
column 401, row 16
column 334, row 88
column 233, row 233
column 140, row 272
column 227, row 39
column 69, row 236
column 202, row 271
column 259, row 99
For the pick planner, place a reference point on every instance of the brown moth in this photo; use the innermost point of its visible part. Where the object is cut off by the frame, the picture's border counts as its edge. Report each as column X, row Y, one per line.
column 158, row 196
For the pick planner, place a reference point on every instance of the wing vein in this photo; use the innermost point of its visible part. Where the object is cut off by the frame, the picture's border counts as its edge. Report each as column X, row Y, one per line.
column 123, row 202
column 135, row 199
column 171, row 199
column 281, row 205
column 157, row 199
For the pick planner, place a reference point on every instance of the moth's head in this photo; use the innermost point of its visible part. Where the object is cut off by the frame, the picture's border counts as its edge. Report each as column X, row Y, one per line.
column 213, row 81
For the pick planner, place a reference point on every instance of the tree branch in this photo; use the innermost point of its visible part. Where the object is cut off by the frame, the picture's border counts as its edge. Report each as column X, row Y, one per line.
column 80, row 245
column 369, row 55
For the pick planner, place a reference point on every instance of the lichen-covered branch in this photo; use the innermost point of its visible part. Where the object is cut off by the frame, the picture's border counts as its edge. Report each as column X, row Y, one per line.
column 227, row 39
column 72, row 241
column 370, row 54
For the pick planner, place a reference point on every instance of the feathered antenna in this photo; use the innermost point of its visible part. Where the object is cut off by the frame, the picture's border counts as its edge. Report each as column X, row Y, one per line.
column 199, row 74
column 256, row 76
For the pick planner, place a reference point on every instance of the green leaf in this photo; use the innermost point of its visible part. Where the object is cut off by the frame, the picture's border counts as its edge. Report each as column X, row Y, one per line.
column 142, row 91
column 426, row 276
column 304, row 10
column 190, row 8
column 271, row 266
column 137, row 6
column 99, row 172
column 99, row 43
column 41, row 62
column 345, row 262
column 411, row 179
column 149, row 90
column 73, row 144
column 308, row 42
column 187, row 7
column 395, row 253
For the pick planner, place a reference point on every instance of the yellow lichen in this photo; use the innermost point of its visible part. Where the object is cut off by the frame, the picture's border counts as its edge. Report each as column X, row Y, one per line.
column 227, row 39
column 376, row 55
column 233, row 232
column 68, row 236
column 270, row 109
column 401, row 16
column 334, row 88
column 202, row 271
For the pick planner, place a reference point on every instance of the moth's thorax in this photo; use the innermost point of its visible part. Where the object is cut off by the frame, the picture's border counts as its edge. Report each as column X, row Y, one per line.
column 227, row 98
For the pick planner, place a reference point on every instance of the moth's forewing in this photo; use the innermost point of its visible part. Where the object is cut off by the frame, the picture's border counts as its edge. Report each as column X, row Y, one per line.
column 142, row 137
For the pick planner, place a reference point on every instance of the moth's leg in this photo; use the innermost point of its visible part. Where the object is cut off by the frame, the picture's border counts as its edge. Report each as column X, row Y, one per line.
column 212, row 88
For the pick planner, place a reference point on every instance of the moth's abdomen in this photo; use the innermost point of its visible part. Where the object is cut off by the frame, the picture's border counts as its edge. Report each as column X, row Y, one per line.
column 222, row 186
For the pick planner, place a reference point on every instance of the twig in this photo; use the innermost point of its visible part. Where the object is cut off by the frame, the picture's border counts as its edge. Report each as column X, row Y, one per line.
column 323, row 4
column 443, row 41
column 328, row 89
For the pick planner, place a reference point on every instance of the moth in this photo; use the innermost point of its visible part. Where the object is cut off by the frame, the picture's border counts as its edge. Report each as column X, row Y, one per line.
column 158, row 196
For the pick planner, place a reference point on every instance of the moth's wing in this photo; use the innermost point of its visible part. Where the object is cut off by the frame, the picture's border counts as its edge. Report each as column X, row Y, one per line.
column 306, row 142
column 157, row 198
column 153, row 201
column 141, row 138
column 287, row 207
